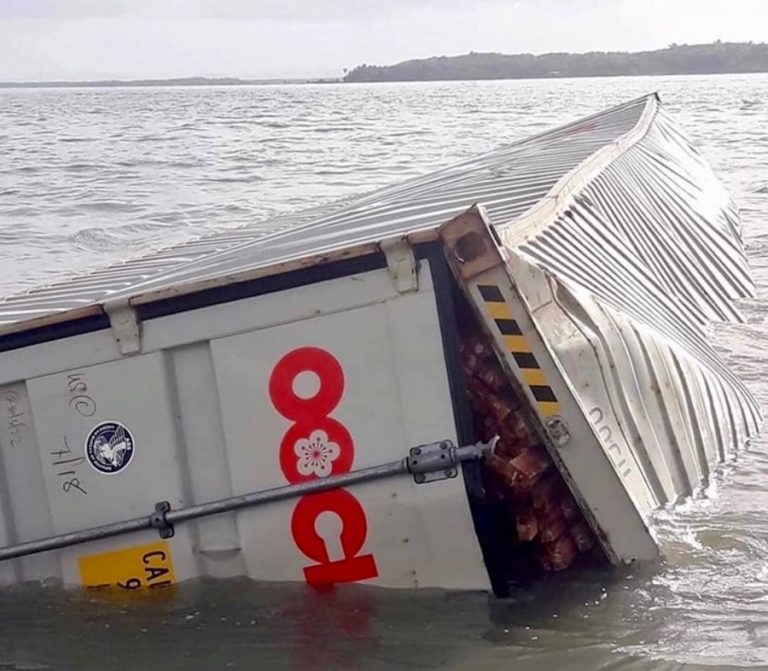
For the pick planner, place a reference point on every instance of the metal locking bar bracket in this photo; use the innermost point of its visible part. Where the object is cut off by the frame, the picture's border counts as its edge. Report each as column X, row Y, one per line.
column 440, row 461
column 432, row 462
column 159, row 521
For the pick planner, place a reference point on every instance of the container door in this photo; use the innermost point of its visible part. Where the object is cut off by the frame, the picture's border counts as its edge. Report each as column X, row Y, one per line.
column 336, row 393
column 109, row 451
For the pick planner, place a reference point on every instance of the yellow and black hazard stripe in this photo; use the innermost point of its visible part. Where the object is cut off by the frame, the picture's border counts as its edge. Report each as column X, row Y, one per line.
column 516, row 343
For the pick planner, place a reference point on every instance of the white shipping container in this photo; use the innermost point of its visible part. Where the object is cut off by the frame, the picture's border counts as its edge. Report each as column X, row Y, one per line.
column 244, row 363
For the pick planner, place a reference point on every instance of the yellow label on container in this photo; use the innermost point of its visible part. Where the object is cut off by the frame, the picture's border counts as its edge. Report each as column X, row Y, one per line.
column 131, row 568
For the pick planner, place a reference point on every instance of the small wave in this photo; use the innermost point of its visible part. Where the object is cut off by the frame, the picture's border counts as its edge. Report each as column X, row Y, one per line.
column 160, row 220
column 80, row 167
column 94, row 238
column 156, row 225
column 23, row 211
column 110, row 206
column 22, row 170
column 232, row 207
column 337, row 129
column 141, row 163
column 153, row 138
column 249, row 179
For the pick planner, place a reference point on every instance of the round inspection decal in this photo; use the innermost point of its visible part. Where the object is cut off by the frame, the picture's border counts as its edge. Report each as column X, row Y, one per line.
column 109, row 447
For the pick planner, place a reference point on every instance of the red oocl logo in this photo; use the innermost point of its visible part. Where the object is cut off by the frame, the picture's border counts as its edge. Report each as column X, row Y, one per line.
column 316, row 446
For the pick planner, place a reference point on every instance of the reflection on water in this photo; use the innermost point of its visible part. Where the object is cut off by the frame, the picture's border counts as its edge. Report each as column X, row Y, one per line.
column 89, row 177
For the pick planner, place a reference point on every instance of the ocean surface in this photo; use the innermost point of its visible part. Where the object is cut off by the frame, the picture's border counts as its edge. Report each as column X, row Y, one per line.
column 91, row 177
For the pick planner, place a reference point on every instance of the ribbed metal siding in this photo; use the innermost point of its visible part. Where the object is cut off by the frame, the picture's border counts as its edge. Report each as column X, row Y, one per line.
column 651, row 248
column 508, row 181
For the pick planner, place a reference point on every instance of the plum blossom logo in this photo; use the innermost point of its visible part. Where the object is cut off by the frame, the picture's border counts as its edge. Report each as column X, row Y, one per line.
column 316, row 454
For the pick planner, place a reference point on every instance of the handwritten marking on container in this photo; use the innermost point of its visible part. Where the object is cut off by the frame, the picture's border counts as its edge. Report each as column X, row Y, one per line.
column 129, row 568
column 65, row 463
column 315, row 446
column 517, row 344
column 597, row 417
column 16, row 417
column 83, row 404
column 66, row 466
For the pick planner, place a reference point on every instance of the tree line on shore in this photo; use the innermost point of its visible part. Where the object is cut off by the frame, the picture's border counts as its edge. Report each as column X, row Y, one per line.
column 715, row 58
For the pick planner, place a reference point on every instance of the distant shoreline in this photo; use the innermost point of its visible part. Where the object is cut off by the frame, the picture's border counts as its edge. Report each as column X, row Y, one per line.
column 163, row 83
column 718, row 58
column 180, row 81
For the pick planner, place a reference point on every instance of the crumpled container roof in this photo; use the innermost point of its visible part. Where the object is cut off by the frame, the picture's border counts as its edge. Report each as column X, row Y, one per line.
column 509, row 182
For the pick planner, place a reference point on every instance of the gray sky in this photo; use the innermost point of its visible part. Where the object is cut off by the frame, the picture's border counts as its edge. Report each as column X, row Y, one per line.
column 92, row 39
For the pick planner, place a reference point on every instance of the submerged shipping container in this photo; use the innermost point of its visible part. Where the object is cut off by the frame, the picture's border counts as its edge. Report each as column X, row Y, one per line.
column 477, row 376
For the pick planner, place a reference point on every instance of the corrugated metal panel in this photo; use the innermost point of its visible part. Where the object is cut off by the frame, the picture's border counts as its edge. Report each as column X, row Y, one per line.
column 508, row 181
column 643, row 254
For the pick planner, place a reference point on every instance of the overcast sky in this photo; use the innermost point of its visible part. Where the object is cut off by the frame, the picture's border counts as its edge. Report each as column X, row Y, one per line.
column 93, row 39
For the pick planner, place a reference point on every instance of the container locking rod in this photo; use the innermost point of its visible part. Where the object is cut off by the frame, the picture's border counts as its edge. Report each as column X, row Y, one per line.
column 426, row 463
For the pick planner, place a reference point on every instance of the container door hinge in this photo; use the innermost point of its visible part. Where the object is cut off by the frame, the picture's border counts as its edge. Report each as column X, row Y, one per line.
column 126, row 326
column 401, row 263
column 471, row 244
